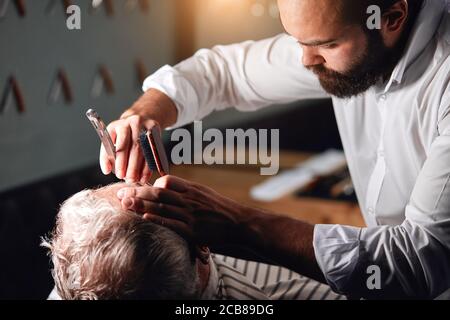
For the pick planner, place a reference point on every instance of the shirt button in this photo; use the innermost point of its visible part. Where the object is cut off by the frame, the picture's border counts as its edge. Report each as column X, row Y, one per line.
column 383, row 97
column 381, row 154
column 371, row 211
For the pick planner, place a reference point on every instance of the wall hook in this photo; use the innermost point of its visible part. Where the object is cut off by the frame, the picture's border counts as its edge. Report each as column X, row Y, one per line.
column 145, row 6
column 52, row 4
column 131, row 5
column 108, row 4
column 12, row 91
column 19, row 4
column 103, row 82
column 61, row 85
column 141, row 72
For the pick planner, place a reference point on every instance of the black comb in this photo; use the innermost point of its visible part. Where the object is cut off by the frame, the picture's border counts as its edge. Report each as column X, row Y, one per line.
column 147, row 151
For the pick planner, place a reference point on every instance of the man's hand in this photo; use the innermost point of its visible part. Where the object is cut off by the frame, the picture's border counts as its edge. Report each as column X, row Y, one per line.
column 196, row 212
column 204, row 217
column 130, row 163
column 154, row 108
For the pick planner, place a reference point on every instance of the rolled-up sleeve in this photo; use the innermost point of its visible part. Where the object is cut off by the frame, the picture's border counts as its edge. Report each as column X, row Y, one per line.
column 413, row 258
column 248, row 76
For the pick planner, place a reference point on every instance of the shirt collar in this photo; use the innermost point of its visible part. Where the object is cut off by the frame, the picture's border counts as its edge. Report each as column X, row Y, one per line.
column 423, row 31
column 212, row 288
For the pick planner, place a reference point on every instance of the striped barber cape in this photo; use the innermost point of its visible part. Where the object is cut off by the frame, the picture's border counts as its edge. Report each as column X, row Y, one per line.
column 238, row 279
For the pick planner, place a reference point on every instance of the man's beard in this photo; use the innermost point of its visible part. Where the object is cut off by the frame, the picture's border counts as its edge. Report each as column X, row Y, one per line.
column 376, row 63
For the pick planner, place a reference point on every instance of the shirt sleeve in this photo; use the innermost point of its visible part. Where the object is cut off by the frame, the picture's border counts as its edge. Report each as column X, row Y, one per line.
column 248, row 76
column 414, row 257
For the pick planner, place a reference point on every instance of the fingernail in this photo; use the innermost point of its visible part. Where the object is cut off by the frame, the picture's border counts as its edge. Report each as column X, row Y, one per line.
column 128, row 203
column 121, row 194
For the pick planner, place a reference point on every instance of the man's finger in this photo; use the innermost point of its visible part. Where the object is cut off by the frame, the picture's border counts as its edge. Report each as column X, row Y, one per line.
column 172, row 183
column 136, row 158
column 105, row 164
column 154, row 194
column 156, row 208
column 122, row 150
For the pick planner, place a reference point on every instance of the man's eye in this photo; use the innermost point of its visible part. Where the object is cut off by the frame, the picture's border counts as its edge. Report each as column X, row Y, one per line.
column 329, row 46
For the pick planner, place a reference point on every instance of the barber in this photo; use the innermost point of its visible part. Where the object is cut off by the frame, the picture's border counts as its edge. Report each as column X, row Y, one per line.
column 391, row 93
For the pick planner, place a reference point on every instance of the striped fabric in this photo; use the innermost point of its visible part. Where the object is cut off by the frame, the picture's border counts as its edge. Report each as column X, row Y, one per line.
column 249, row 280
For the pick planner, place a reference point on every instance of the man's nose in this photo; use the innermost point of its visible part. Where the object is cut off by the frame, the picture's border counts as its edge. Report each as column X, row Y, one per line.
column 311, row 57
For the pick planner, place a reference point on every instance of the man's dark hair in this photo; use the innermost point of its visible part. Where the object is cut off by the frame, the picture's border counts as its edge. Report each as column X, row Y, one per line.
column 356, row 11
column 374, row 36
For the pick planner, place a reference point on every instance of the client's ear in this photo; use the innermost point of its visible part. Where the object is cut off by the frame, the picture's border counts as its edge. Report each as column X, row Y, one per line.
column 203, row 254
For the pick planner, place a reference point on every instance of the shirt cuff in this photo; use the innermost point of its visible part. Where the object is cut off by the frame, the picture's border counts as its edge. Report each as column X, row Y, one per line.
column 170, row 82
column 337, row 250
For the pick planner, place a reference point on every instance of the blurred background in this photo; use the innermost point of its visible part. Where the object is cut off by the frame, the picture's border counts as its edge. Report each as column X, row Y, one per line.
column 50, row 76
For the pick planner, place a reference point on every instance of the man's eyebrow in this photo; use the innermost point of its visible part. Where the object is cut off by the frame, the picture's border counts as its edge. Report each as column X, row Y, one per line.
column 317, row 42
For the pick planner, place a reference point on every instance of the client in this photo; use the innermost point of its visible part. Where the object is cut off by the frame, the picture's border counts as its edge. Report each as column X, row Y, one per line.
column 101, row 252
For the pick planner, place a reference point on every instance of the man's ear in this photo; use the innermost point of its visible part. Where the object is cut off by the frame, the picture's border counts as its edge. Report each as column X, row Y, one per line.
column 394, row 22
column 203, row 254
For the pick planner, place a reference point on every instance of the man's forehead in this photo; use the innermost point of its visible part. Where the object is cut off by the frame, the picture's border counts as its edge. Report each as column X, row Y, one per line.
column 311, row 20
column 323, row 9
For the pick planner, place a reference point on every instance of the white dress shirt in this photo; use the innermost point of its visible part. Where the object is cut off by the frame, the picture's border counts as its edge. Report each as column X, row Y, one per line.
column 396, row 137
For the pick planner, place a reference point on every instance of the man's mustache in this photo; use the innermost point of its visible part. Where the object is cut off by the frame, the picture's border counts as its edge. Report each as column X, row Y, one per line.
column 322, row 71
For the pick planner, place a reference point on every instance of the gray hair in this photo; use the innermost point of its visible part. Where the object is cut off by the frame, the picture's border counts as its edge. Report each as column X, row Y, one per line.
column 101, row 252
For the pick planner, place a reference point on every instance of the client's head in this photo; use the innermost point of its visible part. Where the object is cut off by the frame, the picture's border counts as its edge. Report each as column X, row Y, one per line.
column 100, row 251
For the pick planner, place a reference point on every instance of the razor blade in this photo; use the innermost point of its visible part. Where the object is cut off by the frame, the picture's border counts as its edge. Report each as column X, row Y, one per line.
column 103, row 134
